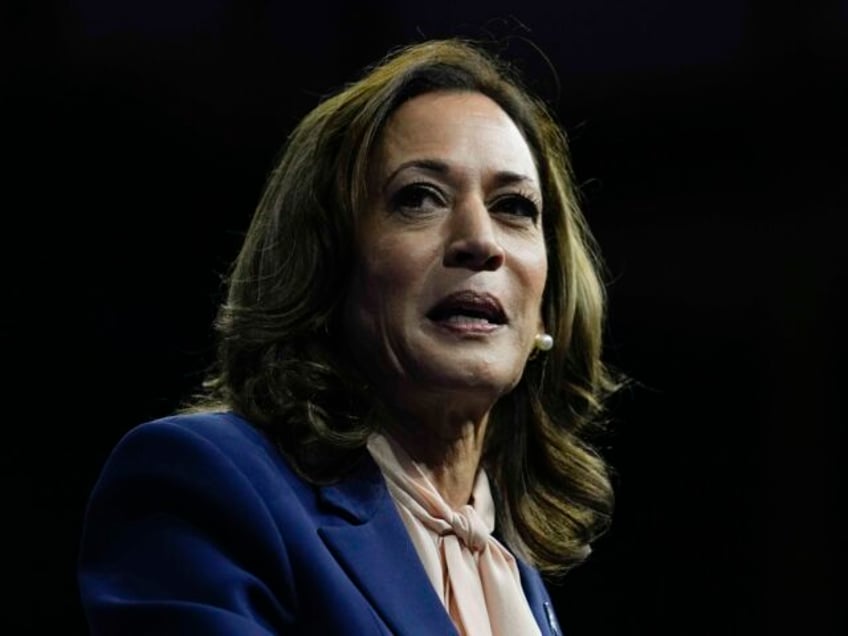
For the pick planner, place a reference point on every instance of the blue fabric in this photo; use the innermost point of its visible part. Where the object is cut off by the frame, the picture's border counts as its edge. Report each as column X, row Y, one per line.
column 197, row 525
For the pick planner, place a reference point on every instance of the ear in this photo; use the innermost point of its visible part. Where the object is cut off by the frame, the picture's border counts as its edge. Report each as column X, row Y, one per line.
column 540, row 327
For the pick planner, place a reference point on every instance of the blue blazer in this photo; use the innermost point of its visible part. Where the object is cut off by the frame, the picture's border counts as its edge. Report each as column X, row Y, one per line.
column 197, row 525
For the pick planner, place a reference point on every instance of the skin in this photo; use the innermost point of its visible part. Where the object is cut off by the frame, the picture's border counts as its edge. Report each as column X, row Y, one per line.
column 455, row 205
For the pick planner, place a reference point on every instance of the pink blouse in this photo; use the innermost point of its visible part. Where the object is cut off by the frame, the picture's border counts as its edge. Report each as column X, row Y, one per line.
column 474, row 575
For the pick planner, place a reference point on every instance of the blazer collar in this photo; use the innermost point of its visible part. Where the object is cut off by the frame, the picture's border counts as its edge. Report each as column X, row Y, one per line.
column 360, row 494
column 371, row 543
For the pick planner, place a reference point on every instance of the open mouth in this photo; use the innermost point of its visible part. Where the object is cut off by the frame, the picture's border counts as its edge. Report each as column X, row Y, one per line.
column 468, row 308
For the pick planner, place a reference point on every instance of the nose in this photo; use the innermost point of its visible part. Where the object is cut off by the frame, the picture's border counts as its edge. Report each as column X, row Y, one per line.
column 473, row 241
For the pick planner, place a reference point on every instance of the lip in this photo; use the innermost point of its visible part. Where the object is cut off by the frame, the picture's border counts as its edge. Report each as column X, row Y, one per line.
column 468, row 312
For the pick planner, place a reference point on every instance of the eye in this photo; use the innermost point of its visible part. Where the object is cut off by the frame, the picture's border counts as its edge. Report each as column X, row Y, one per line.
column 417, row 198
column 516, row 205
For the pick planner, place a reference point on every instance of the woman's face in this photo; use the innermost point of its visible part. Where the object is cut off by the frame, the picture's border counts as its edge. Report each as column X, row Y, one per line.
column 447, row 292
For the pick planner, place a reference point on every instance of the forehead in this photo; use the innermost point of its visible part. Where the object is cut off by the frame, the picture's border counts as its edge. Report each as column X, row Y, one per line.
column 468, row 130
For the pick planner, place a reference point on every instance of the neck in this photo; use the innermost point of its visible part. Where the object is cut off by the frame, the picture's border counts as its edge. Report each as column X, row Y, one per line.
column 448, row 444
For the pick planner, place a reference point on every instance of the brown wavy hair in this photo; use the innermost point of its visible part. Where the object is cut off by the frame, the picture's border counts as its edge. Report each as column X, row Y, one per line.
column 281, row 359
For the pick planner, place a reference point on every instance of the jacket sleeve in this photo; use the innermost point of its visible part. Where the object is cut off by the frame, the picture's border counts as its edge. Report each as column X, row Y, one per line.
column 176, row 540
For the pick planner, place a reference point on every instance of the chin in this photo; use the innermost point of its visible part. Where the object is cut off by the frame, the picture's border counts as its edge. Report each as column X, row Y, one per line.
column 462, row 368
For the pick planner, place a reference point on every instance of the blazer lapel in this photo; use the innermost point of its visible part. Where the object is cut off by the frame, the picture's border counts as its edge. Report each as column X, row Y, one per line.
column 538, row 599
column 373, row 546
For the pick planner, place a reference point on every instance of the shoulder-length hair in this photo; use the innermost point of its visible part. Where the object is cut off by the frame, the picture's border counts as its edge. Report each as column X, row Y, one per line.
column 281, row 359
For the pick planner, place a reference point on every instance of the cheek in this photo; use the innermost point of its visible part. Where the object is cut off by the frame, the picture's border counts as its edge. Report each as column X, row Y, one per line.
column 534, row 272
column 535, row 275
column 398, row 262
column 541, row 280
column 385, row 285
column 540, row 274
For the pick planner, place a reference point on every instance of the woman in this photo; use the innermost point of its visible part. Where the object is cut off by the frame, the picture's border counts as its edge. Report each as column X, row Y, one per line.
column 409, row 356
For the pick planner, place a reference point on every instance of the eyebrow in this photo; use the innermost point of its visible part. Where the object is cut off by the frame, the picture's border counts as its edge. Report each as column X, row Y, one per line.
column 505, row 177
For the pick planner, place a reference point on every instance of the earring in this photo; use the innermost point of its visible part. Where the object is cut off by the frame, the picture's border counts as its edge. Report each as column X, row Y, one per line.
column 544, row 342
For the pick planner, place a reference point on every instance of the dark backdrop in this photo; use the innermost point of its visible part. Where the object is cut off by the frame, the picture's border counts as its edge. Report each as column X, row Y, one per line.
column 708, row 138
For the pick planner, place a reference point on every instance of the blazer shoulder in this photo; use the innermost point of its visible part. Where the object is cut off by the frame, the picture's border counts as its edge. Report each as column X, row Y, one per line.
column 216, row 446
column 221, row 428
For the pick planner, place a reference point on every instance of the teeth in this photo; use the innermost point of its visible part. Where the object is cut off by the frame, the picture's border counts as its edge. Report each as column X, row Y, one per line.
column 468, row 308
column 459, row 319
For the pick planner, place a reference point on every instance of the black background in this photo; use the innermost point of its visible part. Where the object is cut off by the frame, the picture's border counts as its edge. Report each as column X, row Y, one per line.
column 708, row 138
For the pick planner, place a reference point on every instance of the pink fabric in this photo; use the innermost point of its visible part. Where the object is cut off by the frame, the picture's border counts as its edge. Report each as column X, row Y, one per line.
column 473, row 573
